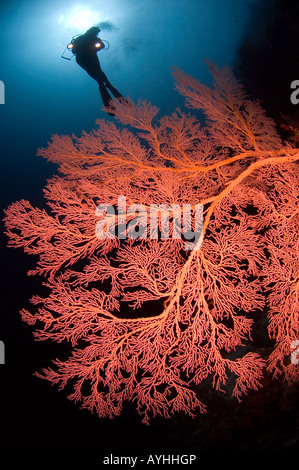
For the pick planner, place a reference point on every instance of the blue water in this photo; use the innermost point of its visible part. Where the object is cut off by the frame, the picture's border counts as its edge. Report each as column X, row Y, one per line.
column 45, row 94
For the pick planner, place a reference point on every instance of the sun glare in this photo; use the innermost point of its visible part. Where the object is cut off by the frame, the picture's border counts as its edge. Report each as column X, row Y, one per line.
column 80, row 17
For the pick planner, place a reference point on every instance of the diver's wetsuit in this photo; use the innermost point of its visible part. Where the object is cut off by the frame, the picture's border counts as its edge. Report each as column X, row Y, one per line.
column 86, row 56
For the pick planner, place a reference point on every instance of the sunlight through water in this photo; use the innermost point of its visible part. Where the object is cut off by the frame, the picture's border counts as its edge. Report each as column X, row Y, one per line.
column 80, row 17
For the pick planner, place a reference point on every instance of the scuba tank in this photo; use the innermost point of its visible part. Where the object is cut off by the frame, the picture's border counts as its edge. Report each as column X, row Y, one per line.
column 76, row 42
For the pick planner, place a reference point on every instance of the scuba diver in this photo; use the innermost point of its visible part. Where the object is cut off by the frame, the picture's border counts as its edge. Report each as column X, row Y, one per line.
column 85, row 48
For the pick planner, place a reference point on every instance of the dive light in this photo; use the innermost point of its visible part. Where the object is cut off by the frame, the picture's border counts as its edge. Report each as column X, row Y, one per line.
column 99, row 45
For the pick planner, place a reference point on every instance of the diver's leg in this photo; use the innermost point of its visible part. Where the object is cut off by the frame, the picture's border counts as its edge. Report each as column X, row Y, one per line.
column 104, row 94
column 103, row 85
column 92, row 66
column 94, row 69
column 113, row 90
column 106, row 98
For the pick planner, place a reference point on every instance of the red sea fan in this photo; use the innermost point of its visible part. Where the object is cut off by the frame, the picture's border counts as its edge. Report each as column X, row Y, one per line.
column 150, row 314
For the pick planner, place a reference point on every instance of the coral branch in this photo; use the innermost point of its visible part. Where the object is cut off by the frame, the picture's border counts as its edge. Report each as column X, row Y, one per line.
column 148, row 320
